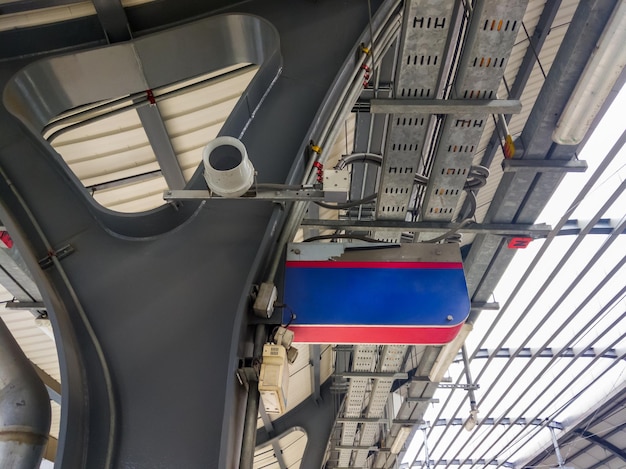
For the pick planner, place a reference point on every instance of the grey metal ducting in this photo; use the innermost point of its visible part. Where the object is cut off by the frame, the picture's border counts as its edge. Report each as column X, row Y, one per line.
column 24, row 407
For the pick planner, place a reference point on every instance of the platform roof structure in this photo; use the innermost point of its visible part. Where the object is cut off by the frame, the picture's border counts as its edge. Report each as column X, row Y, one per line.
column 458, row 121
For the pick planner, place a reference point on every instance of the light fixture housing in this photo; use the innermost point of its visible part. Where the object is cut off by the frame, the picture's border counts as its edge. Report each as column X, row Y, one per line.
column 227, row 169
column 596, row 82
column 401, row 437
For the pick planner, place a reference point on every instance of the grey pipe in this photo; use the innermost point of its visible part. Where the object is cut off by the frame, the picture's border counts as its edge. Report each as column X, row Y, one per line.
column 24, row 407
column 252, row 404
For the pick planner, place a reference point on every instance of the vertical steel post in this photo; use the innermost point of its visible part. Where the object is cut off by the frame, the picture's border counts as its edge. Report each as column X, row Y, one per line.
column 426, row 453
column 557, row 451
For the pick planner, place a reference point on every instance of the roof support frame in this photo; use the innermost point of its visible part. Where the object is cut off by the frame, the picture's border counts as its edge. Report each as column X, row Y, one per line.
column 508, row 303
column 113, row 20
column 548, row 341
column 115, row 25
column 596, row 175
column 497, row 229
column 585, row 423
column 603, row 443
column 487, row 260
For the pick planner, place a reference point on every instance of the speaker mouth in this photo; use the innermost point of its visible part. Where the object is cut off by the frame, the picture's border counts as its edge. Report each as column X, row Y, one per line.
column 225, row 158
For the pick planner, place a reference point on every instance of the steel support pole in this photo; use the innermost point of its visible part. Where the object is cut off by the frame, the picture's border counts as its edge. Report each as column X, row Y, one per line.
column 557, row 451
column 426, row 455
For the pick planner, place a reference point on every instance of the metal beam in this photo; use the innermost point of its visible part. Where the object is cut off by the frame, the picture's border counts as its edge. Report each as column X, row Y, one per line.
column 357, row 448
column 503, row 229
column 485, row 306
column 587, row 423
column 113, row 20
column 458, row 462
column 526, row 352
column 52, row 385
column 373, row 375
column 315, row 352
column 115, row 25
column 603, row 463
column 379, row 420
column 490, row 421
column 161, row 144
column 281, row 195
column 598, row 440
column 545, row 166
column 604, row 226
column 445, row 106
column 422, row 399
column 28, row 305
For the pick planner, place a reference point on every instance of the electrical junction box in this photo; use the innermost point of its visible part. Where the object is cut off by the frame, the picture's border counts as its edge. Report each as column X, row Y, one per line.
column 400, row 294
column 274, row 379
column 336, row 185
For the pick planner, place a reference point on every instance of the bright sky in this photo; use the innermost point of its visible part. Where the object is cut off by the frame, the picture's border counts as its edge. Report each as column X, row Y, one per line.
column 546, row 388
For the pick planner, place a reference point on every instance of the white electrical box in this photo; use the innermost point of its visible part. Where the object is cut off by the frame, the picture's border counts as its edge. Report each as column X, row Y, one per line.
column 336, row 185
column 274, row 379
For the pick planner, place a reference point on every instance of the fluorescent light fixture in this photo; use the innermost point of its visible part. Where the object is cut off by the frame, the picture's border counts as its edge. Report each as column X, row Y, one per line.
column 602, row 71
column 401, row 438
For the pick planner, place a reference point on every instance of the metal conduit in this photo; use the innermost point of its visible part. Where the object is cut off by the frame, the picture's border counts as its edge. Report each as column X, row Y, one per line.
column 544, row 287
column 536, row 355
column 252, row 404
column 24, row 407
column 611, row 155
column 329, row 132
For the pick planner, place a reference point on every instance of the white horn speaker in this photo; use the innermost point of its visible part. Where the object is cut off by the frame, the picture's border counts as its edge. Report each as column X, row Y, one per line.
column 227, row 170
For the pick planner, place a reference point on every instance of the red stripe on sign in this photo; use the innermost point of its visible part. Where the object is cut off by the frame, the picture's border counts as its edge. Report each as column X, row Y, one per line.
column 374, row 335
column 373, row 265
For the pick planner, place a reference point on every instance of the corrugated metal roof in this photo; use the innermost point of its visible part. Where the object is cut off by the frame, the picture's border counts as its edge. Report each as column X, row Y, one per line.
column 112, row 156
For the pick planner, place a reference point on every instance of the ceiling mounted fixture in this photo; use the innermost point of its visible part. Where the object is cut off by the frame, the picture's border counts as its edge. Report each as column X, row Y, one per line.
column 227, row 170
column 596, row 82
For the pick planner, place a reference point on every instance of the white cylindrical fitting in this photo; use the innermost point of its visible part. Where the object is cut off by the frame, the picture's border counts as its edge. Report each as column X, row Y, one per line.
column 227, row 170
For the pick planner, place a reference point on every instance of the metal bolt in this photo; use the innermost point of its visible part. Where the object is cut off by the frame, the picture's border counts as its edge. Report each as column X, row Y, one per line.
column 296, row 251
column 449, row 318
